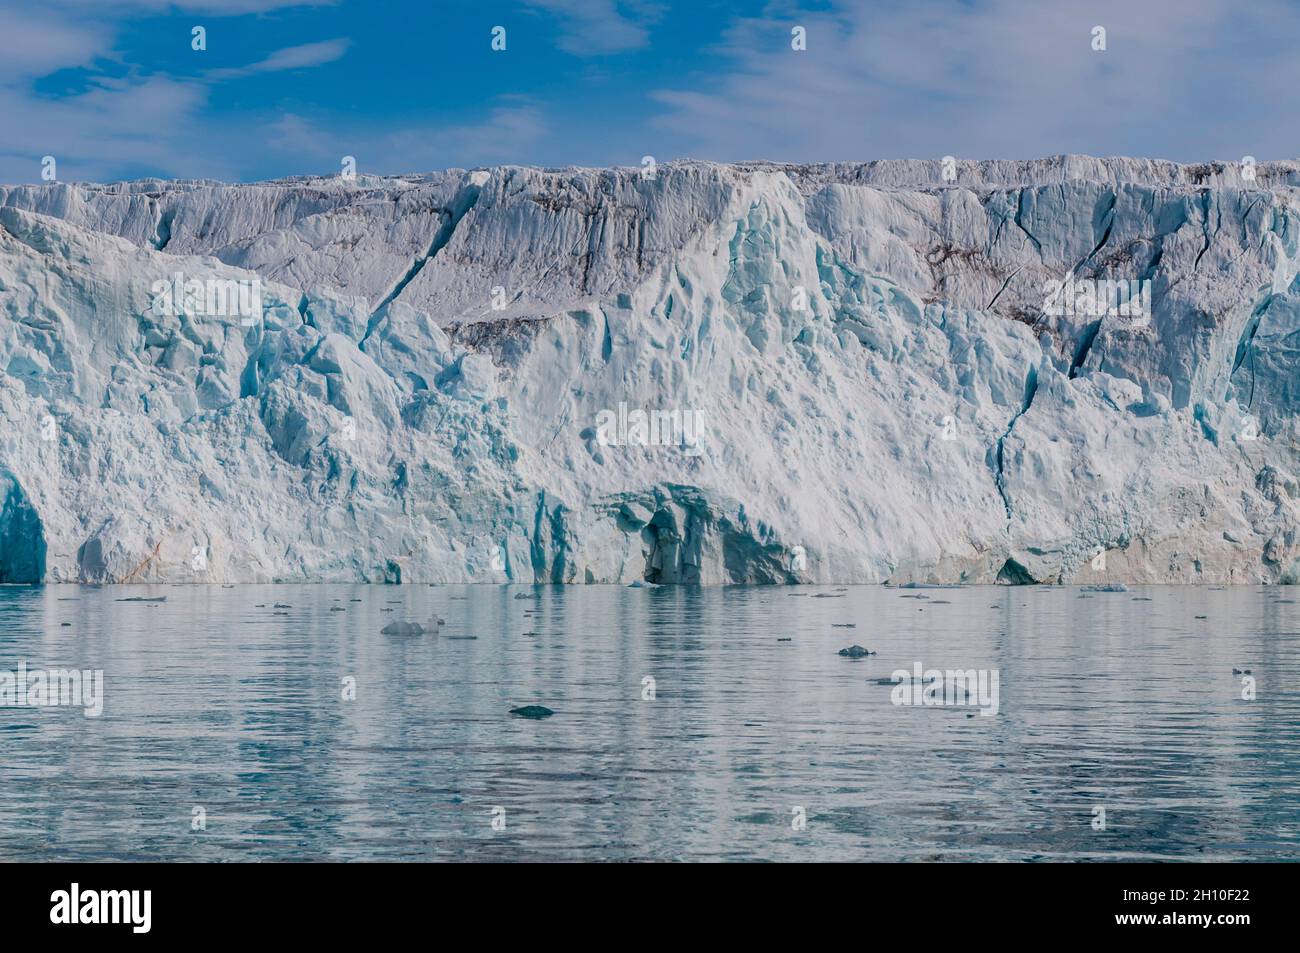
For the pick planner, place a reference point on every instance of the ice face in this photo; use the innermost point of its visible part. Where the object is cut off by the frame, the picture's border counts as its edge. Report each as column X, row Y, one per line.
column 1063, row 370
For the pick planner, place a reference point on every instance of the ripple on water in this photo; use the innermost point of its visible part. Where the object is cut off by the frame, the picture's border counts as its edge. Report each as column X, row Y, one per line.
column 311, row 736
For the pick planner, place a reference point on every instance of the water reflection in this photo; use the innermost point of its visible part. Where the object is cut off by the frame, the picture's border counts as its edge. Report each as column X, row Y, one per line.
column 1119, row 701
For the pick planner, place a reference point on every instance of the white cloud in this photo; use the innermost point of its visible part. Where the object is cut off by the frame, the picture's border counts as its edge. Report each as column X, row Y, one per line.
column 291, row 57
column 107, row 8
column 880, row 78
column 1004, row 78
column 35, row 44
column 115, row 123
column 508, row 131
column 148, row 121
column 596, row 27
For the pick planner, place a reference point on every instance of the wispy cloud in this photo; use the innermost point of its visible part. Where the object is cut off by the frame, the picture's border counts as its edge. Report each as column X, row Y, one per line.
column 507, row 131
column 292, row 57
column 134, row 120
column 1003, row 78
column 83, row 81
column 595, row 27
column 36, row 44
column 114, row 124
column 106, row 8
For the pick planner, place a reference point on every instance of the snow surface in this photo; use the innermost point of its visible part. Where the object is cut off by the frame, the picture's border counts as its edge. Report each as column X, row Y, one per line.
column 882, row 395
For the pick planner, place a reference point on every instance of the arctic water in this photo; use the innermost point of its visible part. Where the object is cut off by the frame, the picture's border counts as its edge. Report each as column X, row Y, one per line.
column 282, row 723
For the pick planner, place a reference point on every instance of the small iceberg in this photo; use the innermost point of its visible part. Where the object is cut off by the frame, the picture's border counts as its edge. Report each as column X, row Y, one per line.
column 1109, row 587
column 532, row 711
column 143, row 599
column 855, row 651
column 411, row 628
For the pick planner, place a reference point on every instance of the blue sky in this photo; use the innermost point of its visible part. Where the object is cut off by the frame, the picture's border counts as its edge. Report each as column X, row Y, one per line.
column 112, row 88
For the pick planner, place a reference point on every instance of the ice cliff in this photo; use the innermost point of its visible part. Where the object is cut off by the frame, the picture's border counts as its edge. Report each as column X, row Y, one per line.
column 883, row 391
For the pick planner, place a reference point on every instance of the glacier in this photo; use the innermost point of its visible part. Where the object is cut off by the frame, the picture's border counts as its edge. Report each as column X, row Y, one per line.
column 880, row 392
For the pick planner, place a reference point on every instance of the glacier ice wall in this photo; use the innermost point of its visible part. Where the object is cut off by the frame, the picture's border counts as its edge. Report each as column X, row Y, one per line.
column 443, row 380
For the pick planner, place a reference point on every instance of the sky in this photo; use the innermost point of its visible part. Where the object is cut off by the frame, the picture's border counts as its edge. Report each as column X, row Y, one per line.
column 114, row 89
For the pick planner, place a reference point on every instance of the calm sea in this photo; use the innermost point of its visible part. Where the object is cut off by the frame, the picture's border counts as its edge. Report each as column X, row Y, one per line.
column 700, row 724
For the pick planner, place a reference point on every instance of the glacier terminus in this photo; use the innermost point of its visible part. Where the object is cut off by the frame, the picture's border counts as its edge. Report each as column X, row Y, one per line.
column 1066, row 370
